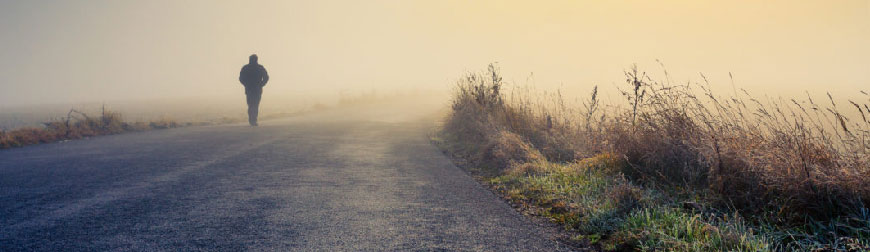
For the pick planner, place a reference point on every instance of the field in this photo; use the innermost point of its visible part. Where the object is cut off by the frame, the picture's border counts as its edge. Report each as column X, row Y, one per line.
column 674, row 167
column 26, row 125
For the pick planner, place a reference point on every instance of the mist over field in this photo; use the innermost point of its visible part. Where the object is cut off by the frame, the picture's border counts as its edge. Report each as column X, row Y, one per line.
column 202, row 109
column 62, row 52
column 198, row 109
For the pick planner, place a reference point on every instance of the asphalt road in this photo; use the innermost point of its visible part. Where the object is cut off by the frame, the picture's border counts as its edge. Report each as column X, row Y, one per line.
column 359, row 179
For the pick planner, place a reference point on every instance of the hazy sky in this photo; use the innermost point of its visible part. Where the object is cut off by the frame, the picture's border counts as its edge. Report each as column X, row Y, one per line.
column 80, row 51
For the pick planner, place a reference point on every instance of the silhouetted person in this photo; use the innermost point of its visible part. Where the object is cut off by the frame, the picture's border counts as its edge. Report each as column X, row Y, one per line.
column 253, row 77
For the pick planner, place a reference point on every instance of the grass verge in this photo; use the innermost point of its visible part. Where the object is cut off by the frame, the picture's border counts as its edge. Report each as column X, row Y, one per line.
column 77, row 125
column 676, row 168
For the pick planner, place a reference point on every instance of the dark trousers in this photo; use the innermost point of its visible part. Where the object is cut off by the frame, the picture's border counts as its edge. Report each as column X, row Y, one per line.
column 254, row 95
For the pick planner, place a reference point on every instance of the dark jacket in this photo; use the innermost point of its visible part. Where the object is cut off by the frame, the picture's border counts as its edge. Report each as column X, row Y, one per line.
column 253, row 76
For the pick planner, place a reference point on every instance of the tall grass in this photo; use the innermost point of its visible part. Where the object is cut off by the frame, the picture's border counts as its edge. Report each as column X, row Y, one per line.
column 798, row 167
column 802, row 159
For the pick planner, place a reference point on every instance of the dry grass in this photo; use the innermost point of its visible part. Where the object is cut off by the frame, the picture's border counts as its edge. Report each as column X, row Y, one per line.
column 800, row 159
column 784, row 164
column 78, row 125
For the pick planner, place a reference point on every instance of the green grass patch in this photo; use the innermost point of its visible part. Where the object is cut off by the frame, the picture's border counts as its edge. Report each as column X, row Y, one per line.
column 672, row 229
column 614, row 214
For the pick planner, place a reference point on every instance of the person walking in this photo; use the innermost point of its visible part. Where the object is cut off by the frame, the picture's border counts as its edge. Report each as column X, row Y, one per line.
column 253, row 77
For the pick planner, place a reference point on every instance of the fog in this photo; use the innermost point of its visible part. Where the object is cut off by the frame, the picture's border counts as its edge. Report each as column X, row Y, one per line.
column 115, row 52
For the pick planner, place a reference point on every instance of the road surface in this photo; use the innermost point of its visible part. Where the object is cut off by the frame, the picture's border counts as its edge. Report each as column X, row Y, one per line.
column 354, row 179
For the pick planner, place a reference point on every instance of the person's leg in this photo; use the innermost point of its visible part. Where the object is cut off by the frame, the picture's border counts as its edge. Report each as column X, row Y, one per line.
column 253, row 105
column 256, row 108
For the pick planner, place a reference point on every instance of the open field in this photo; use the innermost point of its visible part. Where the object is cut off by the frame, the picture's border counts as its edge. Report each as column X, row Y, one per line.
column 197, row 110
column 27, row 125
column 675, row 167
